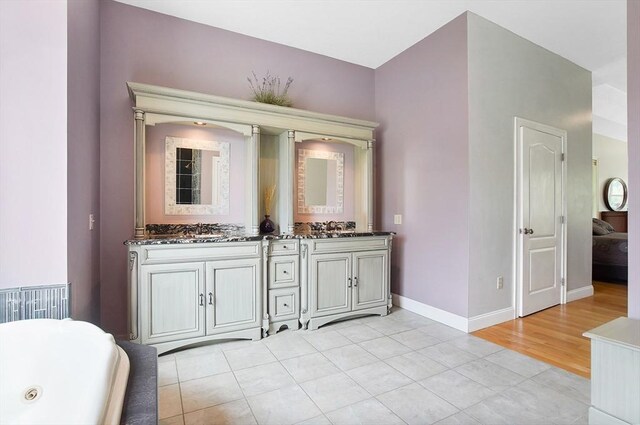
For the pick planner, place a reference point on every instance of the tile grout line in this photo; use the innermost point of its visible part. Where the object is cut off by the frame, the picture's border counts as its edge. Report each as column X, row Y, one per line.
column 298, row 384
column 244, row 396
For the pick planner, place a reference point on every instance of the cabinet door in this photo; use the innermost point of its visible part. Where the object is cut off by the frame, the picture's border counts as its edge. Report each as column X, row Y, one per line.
column 170, row 304
column 370, row 279
column 330, row 284
column 233, row 295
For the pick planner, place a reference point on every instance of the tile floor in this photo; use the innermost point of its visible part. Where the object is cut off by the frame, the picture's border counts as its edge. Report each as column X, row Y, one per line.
column 398, row 369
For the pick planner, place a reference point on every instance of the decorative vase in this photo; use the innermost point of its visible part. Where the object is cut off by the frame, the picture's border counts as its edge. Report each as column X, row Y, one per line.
column 267, row 225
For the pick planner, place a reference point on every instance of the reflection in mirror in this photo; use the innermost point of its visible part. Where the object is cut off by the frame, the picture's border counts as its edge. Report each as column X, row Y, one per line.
column 196, row 177
column 615, row 194
column 320, row 182
column 315, row 188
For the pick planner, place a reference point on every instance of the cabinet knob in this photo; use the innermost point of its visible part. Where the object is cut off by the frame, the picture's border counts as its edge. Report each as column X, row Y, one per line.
column 285, row 272
column 285, row 304
column 284, row 247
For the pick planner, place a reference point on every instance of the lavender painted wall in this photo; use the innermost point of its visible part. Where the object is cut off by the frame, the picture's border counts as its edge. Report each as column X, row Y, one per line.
column 33, row 142
column 512, row 77
column 349, row 182
column 83, row 157
column 155, row 176
column 147, row 47
column 423, row 167
column 633, row 108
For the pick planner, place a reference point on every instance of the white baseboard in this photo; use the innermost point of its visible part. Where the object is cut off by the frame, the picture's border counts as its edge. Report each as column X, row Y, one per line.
column 576, row 294
column 492, row 318
column 433, row 313
column 455, row 321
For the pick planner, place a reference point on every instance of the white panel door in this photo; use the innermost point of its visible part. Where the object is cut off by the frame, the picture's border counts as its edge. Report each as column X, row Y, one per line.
column 369, row 279
column 233, row 295
column 330, row 284
column 172, row 302
column 540, row 218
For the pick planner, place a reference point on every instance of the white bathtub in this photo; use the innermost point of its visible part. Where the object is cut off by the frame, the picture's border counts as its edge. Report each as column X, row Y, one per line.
column 60, row 372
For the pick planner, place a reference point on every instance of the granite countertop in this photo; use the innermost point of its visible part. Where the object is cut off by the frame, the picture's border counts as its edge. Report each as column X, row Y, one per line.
column 168, row 239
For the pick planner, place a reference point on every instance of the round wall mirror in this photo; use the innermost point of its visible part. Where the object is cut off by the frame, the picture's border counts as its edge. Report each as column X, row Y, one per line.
column 615, row 194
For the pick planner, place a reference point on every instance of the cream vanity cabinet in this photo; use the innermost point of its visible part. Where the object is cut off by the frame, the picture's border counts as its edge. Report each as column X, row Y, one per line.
column 188, row 293
column 345, row 277
column 284, row 284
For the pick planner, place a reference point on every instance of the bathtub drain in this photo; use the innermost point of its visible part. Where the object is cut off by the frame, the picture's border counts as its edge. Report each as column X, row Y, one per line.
column 33, row 393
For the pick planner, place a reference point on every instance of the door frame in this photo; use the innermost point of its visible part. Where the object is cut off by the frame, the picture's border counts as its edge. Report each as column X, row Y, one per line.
column 517, row 200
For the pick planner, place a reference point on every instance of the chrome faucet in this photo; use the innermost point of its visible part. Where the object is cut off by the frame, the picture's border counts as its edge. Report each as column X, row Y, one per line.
column 331, row 226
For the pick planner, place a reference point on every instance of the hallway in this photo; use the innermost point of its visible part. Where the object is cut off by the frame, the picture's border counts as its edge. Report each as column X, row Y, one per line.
column 555, row 336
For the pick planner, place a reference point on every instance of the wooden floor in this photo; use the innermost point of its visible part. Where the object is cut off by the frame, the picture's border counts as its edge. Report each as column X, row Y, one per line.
column 555, row 336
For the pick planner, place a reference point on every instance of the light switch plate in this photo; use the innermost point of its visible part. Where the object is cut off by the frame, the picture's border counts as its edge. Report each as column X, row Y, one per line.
column 397, row 219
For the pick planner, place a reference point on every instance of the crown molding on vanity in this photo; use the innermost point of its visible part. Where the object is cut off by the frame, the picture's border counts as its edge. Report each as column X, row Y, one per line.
column 183, row 104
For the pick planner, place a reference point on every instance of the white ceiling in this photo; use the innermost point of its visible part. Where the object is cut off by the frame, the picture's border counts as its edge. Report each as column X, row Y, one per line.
column 591, row 33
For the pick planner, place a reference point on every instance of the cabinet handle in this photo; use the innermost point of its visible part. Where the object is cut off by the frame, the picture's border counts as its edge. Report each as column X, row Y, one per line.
column 355, row 281
column 210, row 298
column 348, row 282
column 201, row 299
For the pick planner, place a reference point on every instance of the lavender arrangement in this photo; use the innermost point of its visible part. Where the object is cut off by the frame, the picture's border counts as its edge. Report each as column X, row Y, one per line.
column 270, row 90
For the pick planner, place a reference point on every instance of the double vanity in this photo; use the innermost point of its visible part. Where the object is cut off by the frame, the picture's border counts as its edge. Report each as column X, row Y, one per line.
column 207, row 159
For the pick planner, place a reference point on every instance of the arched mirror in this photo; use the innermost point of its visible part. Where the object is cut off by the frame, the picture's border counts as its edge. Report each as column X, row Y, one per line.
column 615, row 194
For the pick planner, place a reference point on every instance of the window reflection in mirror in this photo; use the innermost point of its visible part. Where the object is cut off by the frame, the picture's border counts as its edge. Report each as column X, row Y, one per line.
column 156, row 177
column 196, row 176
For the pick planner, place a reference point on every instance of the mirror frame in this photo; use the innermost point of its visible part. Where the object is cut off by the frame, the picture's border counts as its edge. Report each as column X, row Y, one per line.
column 170, row 205
column 303, row 208
column 606, row 194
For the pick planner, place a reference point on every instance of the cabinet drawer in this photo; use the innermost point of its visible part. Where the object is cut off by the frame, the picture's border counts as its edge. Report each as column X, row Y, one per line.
column 283, row 271
column 285, row 247
column 158, row 254
column 283, row 304
column 348, row 244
